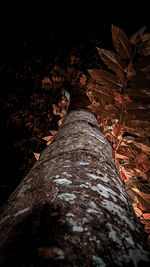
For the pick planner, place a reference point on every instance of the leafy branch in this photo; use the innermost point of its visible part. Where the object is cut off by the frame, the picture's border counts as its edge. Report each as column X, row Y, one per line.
column 123, row 98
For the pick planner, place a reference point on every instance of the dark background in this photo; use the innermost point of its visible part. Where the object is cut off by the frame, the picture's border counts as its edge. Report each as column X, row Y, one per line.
column 44, row 30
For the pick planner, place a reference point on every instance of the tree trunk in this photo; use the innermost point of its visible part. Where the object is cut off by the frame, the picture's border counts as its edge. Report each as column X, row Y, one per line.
column 72, row 209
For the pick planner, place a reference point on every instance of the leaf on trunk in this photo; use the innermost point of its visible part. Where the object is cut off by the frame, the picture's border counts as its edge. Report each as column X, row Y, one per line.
column 36, row 155
column 105, row 78
column 53, row 132
column 136, row 37
column 56, row 109
column 121, row 42
column 48, row 139
column 60, row 122
column 114, row 63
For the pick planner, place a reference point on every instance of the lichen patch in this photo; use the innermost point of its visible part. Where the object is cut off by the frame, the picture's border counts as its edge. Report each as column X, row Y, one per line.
column 21, row 212
column 116, row 209
column 67, row 196
column 62, row 181
column 98, row 261
column 77, row 229
column 105, row 191
column 84, row 186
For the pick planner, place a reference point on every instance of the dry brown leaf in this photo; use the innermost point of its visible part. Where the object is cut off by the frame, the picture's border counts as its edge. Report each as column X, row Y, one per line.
column 138, row 142
column 129, row 173
column 60, row 122
column 145, row 37
column 36, row 155
column 120, row 156
column 105, row 78
column 143, row 198
column 114, row 63
column 137, row 211
column 130, row 71
column 137, row 127
column 48, row 139
column 121, row 42
column 53, row 132
column 141, row 158
column 147, row 227
column 136, row 37
column 144, row 48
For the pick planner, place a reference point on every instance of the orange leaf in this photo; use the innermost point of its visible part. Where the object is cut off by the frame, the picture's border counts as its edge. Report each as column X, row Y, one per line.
column 117, row 96
column 83, row 79
column 130, row 70
column 36, row 155
column 146, row 216
column 53, row 132
column 135, row 38
column 137, row 211
column 48, row 138
column 123, row 176
column 126, row 97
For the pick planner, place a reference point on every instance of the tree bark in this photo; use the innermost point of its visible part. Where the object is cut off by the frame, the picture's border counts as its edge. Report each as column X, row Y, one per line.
column 72, row 208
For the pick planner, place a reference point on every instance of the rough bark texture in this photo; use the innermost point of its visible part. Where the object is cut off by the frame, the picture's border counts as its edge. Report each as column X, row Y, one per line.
column 72, row 209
